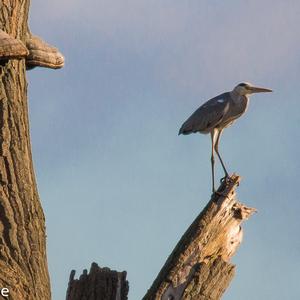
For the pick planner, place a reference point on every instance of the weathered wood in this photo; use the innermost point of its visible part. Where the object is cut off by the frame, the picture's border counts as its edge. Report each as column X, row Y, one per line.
column 23, row 262
column 199, row 267
column 98, row 284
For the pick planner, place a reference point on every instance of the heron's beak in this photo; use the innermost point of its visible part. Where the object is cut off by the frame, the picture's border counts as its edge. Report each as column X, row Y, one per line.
column 255, row 89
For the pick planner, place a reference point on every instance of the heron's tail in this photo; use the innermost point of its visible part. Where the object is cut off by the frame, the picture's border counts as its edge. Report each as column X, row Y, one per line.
column 184, row 130
column 187, row 128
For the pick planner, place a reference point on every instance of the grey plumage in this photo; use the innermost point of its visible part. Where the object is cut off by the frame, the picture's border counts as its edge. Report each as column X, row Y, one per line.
column 218, row 113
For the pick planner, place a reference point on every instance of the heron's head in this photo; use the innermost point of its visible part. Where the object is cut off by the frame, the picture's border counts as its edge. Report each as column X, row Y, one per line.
column 246, row 88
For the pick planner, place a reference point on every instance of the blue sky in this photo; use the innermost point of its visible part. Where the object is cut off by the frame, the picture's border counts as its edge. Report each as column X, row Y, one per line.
column 117, row 184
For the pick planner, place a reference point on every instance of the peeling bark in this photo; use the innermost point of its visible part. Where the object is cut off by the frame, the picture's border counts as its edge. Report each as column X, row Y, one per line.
column 23, row 263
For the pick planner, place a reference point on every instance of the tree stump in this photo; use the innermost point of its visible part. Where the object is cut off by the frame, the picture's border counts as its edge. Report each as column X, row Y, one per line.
column 99, row 283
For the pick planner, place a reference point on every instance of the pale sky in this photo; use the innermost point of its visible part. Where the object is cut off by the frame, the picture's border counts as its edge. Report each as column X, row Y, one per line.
column 117, row 185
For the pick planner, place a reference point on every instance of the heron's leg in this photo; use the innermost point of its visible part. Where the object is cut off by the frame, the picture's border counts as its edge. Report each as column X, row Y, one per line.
column 217, row 151
column 212, row 134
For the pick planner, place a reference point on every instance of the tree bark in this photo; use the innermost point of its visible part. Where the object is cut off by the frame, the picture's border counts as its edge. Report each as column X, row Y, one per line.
column 23, row 263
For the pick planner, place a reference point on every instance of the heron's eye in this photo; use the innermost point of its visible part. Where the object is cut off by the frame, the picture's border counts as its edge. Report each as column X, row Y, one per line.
column 243, row 84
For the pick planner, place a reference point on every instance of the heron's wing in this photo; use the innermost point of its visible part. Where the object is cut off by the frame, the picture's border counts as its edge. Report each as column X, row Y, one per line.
column 207, row 116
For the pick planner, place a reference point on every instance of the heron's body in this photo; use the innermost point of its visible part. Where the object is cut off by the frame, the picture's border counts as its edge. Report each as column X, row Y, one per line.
column 218, row 113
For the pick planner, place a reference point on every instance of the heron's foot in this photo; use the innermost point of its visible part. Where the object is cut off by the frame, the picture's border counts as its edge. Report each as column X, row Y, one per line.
column 225, row 179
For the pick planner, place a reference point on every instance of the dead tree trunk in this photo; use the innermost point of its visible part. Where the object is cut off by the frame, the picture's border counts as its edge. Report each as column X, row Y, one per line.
column 99, row 283
column 23, row 261
column 199, row 266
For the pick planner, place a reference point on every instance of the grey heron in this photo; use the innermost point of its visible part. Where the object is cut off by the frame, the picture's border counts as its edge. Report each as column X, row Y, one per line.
column 218, row 113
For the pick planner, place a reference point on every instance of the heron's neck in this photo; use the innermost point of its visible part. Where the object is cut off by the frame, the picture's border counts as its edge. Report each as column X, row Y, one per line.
column 237, row 97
